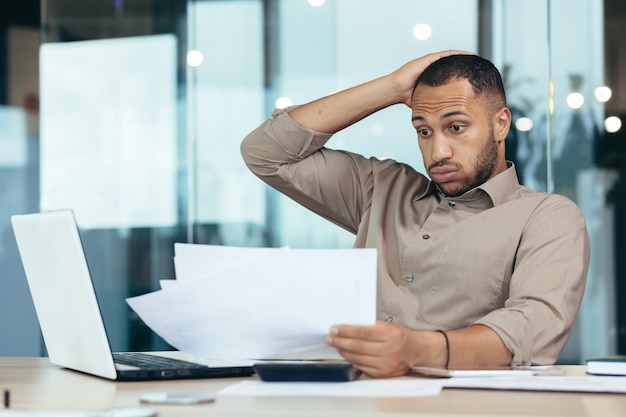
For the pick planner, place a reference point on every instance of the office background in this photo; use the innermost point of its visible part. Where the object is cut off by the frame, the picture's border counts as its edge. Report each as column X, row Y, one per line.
column 132, row 112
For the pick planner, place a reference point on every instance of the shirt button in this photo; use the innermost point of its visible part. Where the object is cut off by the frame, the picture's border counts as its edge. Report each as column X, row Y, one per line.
column 452, row 203
column 426, row 236
column 409, row 278
column 388, row 319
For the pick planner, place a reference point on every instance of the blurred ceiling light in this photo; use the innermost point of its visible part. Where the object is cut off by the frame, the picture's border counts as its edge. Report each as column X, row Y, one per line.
column 422, row 31
column 603, row 94
column 283, row 102
column 575, row 100
column 524, row 124
column 194, row 58
column 316, row 3
column 612, row 124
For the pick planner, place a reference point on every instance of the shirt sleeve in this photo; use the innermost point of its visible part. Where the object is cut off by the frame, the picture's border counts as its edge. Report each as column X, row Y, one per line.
column 546, row 286
column 292, row 158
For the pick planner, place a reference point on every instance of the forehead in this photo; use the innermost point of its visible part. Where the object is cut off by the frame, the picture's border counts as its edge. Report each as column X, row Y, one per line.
column 456, row 95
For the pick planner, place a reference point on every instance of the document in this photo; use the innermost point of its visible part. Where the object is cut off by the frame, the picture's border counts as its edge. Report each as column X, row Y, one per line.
column 368, row 388
column 577, row 383
column 267, row 303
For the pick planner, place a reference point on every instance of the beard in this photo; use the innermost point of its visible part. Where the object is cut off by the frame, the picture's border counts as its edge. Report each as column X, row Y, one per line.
column 484, row 165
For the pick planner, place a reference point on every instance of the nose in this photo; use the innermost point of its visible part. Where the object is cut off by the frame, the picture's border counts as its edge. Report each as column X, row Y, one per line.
column 440, row 148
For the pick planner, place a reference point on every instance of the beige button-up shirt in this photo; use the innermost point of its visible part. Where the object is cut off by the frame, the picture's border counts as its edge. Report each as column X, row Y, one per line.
column 500, row 255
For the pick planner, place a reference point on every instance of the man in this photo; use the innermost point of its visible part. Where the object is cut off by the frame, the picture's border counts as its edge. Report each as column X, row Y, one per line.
column 474, row 269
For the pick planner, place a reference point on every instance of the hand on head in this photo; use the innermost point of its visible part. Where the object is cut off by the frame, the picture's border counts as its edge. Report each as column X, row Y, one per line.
column 405, row 76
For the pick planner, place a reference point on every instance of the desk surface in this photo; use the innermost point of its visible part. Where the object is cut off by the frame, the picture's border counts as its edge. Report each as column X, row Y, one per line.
column 35, row 384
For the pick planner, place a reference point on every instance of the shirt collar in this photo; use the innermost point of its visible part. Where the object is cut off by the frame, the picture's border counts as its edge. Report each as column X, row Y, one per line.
column 498, row 188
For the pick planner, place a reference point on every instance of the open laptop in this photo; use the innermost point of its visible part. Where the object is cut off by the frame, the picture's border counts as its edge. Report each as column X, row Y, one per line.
column 69, row 315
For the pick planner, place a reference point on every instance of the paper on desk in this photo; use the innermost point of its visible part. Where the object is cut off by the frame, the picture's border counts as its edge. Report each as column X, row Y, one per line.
column 39, row 413
column 578, row 383
column 370, row 388
column 268, row 304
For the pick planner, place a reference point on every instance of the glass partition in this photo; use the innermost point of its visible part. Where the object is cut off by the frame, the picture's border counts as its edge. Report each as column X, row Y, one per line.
column 144, row 105
column 557, row 125
column 19, row 184
column 112, row 144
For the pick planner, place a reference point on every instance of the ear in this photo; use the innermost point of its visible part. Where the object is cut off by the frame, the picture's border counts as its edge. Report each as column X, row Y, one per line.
column 502, row 123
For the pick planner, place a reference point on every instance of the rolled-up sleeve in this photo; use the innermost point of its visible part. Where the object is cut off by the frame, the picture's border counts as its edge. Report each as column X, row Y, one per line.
column 546, row 286
column 279, row 141
column 292, row 158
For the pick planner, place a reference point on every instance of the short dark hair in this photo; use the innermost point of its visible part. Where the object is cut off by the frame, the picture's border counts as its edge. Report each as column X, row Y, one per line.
column 480, row 72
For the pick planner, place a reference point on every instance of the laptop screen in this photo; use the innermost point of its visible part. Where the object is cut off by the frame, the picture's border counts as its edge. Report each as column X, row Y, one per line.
column 62, row 291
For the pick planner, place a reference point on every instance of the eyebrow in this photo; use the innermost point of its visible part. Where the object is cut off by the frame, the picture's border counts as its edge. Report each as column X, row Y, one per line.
column 445, row 115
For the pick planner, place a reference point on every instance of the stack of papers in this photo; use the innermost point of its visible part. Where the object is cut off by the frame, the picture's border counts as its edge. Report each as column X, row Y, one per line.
column 260, row 303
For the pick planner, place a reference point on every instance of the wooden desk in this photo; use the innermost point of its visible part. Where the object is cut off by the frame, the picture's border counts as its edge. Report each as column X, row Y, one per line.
column 35, row 384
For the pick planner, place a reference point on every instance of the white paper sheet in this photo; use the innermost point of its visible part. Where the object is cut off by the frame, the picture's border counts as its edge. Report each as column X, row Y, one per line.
column 582, row 383
column 262, row 303
column 368, row 388
column 40, row 413
column 192, row 261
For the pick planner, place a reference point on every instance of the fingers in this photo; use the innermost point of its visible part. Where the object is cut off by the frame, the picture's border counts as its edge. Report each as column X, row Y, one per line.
column 375, row 363
column 409, row 72
column 375, row 350
column 346, row 336
column 441, row 54
column 430, row 58
column 358, row 332
column 354, row 350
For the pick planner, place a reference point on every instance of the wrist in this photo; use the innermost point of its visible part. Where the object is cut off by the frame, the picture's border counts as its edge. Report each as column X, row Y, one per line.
column 447, row 347
column 403, row 84
column 428, row 348
column 385, row 91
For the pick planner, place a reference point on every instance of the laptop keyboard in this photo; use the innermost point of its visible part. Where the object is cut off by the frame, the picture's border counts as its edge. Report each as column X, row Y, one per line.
column 147, row 361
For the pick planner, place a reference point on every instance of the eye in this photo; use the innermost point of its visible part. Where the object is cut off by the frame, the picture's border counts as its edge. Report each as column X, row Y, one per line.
column 457, row 128
column 423, row 133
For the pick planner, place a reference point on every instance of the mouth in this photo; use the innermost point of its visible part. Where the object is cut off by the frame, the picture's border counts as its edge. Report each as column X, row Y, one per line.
column 443, row 174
